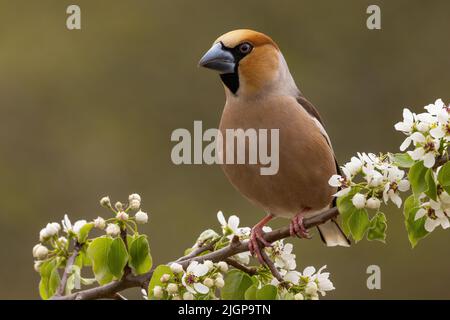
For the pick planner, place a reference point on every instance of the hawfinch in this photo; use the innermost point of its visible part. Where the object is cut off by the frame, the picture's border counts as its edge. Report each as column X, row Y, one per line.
column 261, row 94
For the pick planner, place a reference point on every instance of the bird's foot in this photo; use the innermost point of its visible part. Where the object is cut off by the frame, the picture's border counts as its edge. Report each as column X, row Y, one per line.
column 257, row 243
column 297, row 228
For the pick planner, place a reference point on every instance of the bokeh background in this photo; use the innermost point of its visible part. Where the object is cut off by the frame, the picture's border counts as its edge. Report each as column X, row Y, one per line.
column 89, row 113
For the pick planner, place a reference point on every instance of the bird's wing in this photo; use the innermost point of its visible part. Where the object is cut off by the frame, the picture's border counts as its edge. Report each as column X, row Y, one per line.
column 312, row 111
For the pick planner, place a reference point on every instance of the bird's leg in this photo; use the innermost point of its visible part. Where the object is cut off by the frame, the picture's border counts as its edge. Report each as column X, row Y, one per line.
column 297, row 227
column 257, row 241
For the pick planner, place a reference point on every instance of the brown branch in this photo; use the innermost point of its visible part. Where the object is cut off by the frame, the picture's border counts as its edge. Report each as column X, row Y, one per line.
column 68, row 270
column 237, row 265
column 441, row 160
column 235, row 247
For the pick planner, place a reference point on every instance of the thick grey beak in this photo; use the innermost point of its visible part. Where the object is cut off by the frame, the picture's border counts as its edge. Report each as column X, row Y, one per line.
column 218, row 59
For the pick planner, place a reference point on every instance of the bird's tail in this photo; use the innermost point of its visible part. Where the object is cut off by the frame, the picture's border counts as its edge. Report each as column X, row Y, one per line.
column 332, row 235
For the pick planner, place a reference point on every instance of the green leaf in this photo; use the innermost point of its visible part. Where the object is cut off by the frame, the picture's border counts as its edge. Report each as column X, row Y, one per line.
column 117, row 257
column 377, row 228
column 140, row 257
column 346, row 209
column 267, row 292
column 250, row 293
column 431, row 185
column 236, row 284
column 84, row 232
column 416, row 177
column 444, row 177
column 155, row 280
column 98, row 254
column 402, row 160
column 415, row 228
column 49, row 279
column 358, row 223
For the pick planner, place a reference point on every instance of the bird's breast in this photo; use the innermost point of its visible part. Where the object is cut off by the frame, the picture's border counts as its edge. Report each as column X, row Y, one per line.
column 305, row 161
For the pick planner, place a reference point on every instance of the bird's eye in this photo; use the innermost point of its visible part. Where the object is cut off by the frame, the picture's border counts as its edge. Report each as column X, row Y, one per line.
column 245, row 48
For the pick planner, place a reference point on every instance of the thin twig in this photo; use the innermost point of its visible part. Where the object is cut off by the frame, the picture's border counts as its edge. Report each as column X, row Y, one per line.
column 68, row 270
column 235, row 247
column 237, row 265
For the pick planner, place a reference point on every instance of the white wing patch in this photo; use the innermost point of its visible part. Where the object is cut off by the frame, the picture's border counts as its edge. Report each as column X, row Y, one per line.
column 322, row 130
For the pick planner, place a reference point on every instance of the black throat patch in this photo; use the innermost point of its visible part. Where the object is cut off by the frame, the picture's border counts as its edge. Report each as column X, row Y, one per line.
column 231, row 80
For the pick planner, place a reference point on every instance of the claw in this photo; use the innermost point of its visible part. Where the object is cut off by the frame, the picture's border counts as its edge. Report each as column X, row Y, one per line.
column 257, row 243
column 297, row 227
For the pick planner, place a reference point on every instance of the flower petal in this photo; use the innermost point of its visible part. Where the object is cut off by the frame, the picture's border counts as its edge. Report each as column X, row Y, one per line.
column 221, row 218
column 201, row 288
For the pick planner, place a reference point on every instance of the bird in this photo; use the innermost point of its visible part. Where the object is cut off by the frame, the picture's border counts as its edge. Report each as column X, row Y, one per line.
column 261, row 93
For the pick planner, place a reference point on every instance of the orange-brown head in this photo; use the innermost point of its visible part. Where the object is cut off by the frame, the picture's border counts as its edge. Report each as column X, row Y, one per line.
column 249, row 62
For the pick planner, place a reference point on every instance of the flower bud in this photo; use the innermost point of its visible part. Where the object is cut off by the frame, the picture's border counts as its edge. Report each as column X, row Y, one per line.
column 122, row 215
column 52, row 229
column 158, row 292
column 134, row 196
column 311, row 288
column 172, row 288
column 299, row 296
column 40, row 252
column 63, row 241
column 99, row 223
column 165, row 277
column 208, row 282
column 43, row 235
column 315, row 296
column 188, row 296
column 359, row 201
column 119, row 206
column 209, row 264
column 141, row 217
column 373, row 203
column 134, row 204
column 176, row 267
column 223, row 266
column 78, row 225
column 176, row 297
column 206, row 235
column 37, row 265
column 105, row 202
column 112, row 229
column 219, row 283
column 403, row 185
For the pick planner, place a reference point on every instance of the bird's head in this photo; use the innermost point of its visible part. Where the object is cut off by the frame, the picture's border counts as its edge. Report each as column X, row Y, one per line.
column 249, row 62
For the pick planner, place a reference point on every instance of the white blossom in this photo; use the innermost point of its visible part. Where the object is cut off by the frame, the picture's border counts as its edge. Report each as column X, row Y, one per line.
column 40, row 252
column 99, row 223
column 113, row 229
column 219, row 282
column 373, row 203
column 299, row 296
column 176, row 267
column 158, row 292
column 435, row 214
column 105, row 202
column 359, row 200
column 229, row 227
column 172, row 288
column 165, row 277
column 191, row 279
column 188, row 296
column 223, row 266
column 122, row 215
column 141, row 217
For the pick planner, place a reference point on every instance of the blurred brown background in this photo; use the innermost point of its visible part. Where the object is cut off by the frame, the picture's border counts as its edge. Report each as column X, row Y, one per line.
column 89, row 113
